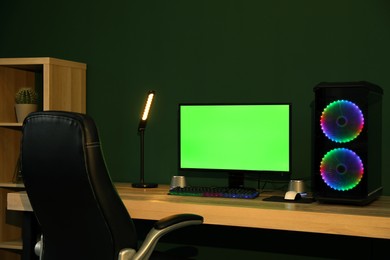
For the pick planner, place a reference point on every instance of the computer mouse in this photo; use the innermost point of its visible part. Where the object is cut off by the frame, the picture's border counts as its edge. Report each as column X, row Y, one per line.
column 292, row 195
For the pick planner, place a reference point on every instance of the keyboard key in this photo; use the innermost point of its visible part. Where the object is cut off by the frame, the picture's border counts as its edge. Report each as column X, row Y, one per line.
column 218, row 192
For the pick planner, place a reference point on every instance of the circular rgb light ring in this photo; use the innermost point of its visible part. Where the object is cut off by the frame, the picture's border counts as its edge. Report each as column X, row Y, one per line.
column 342, row 121
column 341, row 169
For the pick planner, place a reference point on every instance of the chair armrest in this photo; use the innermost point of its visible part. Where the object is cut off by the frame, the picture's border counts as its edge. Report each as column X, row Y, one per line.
column 162, row 227
column 176, row 219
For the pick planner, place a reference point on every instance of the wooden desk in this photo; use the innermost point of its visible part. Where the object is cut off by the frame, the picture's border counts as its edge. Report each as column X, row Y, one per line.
column 371, row 221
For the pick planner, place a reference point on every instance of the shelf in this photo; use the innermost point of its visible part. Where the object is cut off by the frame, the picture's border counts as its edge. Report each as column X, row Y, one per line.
column 16, row 245
column 36, row 63
column 11, row 185
column 17, row 126
column 10, row 124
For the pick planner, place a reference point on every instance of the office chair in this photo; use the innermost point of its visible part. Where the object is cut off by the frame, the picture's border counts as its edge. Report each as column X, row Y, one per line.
column 79, row 212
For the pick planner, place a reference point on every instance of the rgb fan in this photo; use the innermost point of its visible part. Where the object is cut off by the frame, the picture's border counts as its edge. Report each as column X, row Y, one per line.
column 341, row 169
column 342, row 121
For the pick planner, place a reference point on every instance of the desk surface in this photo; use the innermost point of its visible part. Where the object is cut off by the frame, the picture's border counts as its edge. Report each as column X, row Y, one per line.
column 372, row 220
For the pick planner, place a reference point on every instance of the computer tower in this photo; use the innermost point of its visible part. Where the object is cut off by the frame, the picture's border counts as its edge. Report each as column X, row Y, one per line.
column 347, row 163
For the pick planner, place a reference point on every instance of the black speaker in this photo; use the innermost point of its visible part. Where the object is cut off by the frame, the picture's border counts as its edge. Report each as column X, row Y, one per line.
column 347, row 162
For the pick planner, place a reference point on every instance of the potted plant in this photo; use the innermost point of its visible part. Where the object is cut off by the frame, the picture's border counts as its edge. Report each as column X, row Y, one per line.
column 26, row 101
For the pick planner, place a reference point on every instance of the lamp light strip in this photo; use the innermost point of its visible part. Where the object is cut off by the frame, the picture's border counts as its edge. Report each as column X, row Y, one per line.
column 147, row 106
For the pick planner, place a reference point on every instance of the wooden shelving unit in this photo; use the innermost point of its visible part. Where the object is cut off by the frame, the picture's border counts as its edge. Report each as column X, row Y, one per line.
column 61, row 85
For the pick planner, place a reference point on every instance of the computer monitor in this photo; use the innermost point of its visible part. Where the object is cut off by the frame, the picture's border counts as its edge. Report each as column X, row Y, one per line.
column 238, row 139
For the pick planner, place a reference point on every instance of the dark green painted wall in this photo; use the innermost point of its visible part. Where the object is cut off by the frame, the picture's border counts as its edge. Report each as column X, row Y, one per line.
column 202, row 51
column 208, row 51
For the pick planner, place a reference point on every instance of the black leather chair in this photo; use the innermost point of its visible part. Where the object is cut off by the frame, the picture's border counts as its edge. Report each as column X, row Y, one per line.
column 79, row 212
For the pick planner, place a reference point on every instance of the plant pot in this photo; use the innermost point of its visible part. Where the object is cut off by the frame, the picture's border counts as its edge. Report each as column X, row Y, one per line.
column 22, row 110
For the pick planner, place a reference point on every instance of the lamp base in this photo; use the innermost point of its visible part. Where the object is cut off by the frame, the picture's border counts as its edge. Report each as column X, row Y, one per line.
column 144, row 185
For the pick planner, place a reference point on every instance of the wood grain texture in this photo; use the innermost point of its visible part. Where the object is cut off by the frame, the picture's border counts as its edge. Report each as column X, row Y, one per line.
column 372, row 220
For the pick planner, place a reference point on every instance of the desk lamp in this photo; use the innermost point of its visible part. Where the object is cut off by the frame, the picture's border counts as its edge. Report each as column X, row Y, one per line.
column 141, row 130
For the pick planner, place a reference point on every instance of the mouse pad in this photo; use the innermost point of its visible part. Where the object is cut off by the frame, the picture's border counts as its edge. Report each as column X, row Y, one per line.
column 281, row 199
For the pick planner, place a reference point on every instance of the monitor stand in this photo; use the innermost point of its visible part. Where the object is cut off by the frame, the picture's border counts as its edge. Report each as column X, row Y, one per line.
column 236, row 180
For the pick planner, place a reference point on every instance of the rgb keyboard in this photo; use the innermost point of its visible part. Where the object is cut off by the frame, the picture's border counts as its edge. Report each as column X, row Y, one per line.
column 219, row 192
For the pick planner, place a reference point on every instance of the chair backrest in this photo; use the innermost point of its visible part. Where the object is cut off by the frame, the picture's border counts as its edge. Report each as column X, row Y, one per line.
column 79, row 211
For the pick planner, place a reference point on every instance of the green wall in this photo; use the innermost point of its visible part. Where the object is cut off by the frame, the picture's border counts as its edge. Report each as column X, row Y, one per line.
column 202, row 51
column 207, row 51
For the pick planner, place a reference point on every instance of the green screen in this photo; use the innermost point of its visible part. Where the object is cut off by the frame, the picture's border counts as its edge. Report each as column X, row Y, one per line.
column 235, row 137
